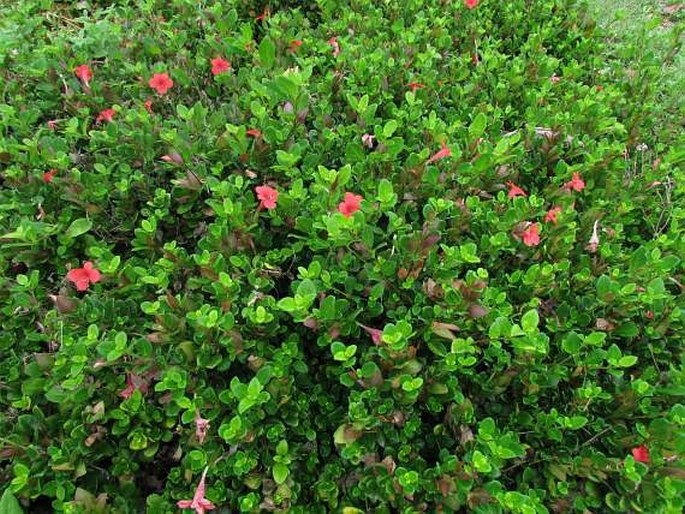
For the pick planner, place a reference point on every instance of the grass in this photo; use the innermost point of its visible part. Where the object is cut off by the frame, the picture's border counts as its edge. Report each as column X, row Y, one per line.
column 659, row 25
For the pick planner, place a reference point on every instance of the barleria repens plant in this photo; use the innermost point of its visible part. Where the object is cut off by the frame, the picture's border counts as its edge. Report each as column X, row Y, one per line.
column 330, row 256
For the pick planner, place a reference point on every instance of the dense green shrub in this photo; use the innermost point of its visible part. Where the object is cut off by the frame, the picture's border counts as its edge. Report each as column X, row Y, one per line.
column 466, row 295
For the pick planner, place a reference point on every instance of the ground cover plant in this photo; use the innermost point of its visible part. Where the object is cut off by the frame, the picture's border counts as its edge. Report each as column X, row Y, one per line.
column 337, row 256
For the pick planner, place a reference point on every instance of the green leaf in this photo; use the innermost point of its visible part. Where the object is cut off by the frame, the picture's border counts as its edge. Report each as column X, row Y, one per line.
column 267, row 52
column 477, row 127
column 78, row 227
column 9, row 504
column 481, row 462
column 386, row 193
column 280, row 472
column 530, row 321
column 389, row 128
column 627, row 361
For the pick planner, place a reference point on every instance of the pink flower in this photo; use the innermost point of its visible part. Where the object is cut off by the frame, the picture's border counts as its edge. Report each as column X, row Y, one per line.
column 220, row 65
column 441, row 154
column 336, row 46
column 471, row 4
column 415, row 85
column 148, row 105
column 84, row 276
column 515, row 190
column 554, row 78
column 106, row 115
column 201, row 427
column 267, row 197
column 48, row 176
column 641, row 454
column 350, row 204
column 551, row 215
column 52, row 124
column 199, row 503
column 133, row 382
column 576, row 184
column 367, row 140
column 84, row 73
column 531, row 236
column 375, row 333
column 173, row 157
column 161, row 83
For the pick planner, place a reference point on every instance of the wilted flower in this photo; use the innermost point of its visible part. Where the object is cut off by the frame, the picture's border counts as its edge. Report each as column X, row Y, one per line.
column 576, row 183
column 367, row 140
column 201, row 427
column 515, row 190
column 531, row 236
column 84, row 73
column 443, row 153
column 199, row 503
column 552, row 214
column 106, row 115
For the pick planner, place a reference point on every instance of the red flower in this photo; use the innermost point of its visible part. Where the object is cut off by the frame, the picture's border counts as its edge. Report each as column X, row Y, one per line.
column 201, row 427
column 641, row 454
column 415, row 85
column 256, row 133
column 220, row 65
column 84, row 73
column 576, row 183
column 82, row 277
column 515, row 190
column 267, row 196
column 106, row 115
column 531, row 236
column 649, row 314
column 263, row 16
column 441, row 154
column 294, row 45
column 148, row 105
column 471, row 4
column 48, row 176
column 350, row 204
column 161, row 83
column 336, row 46
column 199, row 503
column 551, row 215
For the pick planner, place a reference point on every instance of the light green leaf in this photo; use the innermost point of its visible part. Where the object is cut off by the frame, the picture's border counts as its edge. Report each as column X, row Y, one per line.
column 280, row 472
column 389, row 128
column 530, row 321
column 267, row 52
column 477, row 127
column 78, row 227
column 9, row 503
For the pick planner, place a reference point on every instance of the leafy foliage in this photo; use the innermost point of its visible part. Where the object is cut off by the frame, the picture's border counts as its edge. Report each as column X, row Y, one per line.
column 395, row 257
